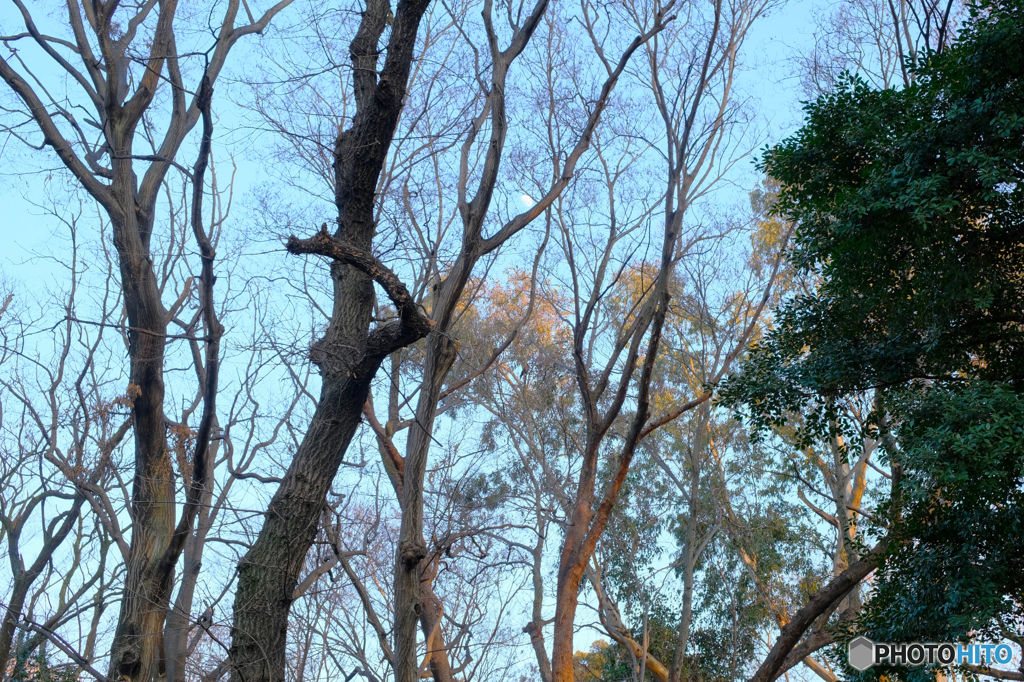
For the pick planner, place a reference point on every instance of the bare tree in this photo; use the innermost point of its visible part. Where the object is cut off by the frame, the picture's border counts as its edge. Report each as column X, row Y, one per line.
column 61, row 431
column 881, row 41
column 698, row 122
column 349, row 353
column 47, row 476
column 116, row 56
column 438, row 122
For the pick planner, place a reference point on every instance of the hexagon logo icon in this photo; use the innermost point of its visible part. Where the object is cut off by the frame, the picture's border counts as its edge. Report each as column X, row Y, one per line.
column 861, row 653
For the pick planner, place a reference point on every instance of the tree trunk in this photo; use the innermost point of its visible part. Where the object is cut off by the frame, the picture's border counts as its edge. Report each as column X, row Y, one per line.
column 15, row 603
column 570, row 576
column 136, row 651
column 348, row 355
column 535, row 628
column 269, row 571
column 440, row 356
column 691, row 552
column 685, row 619
column 430, row 625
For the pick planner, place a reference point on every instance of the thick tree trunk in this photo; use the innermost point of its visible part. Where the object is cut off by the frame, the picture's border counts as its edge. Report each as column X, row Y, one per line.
column 269, row 571
column 137, row 651
column 348, row 355
column 155, row 545
column 570, row 576
column 137, row 647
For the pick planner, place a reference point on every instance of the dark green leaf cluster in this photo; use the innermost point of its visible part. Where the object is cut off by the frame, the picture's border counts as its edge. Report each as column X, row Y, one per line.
column 956, row 566
column 910, row 205
column 910, row 213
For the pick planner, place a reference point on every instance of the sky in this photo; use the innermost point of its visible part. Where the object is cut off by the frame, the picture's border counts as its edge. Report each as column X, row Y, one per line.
column 25, row 232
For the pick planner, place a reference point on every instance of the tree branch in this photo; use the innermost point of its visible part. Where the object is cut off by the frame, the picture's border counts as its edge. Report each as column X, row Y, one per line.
column 822, row 601
column 324, row 244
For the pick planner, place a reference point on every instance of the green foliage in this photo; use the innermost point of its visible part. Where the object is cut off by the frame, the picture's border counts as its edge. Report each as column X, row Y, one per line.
column 910, row 207
column 957, row 563
column 36, row 667
column 631, row 542
column 613, row 663
column 910, row 213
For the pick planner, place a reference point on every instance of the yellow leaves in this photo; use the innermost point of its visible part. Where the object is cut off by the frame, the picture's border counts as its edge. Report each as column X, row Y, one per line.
column 103, row 410
column 497, row 309
column 588, row 667
column 129, row 397
column 636, row 284
column 662, row 401
column 810, row 584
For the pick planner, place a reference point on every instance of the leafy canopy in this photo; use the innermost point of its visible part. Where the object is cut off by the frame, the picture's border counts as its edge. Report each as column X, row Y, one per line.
column 909, row 206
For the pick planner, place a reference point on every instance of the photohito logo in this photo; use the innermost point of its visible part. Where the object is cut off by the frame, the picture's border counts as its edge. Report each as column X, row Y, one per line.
column 863, row 653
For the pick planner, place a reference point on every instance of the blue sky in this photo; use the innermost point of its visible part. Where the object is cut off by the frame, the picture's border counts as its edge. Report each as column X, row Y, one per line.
column 26, row 233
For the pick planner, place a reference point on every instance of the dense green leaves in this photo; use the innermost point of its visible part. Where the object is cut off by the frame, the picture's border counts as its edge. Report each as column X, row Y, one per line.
column 910, row 205
column 910, row 208
column 957, row 562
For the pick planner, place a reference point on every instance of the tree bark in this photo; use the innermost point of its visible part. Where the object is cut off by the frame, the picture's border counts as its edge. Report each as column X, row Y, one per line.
column 348, row 355
column 269, row 571
column 156, row 544
column 136, row 650
column 157, row 540
column 430, row 625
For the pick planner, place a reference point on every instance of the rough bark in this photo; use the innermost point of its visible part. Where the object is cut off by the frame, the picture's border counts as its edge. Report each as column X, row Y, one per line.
column 157, row 540
column 348, row 355
column 136, row 650
column 269, row 571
